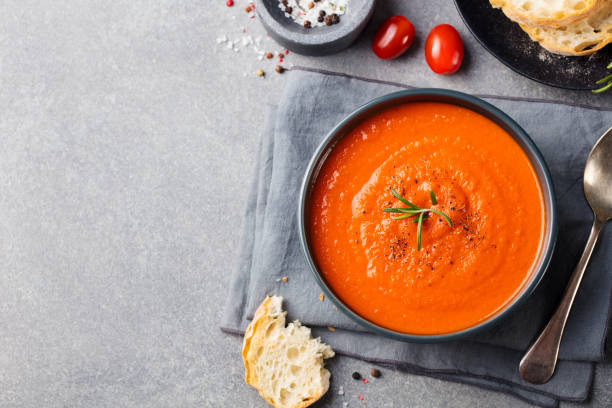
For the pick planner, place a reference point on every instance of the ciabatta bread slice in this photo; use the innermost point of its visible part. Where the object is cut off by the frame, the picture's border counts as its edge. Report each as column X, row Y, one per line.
column 583, row 37
column 285, row 364
column 547, row 13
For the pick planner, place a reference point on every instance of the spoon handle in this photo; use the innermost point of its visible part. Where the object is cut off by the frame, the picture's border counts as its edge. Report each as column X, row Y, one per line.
column 538, row 364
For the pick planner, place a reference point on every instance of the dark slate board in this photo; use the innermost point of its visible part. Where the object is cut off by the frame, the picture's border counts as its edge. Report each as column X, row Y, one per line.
column 512, row 46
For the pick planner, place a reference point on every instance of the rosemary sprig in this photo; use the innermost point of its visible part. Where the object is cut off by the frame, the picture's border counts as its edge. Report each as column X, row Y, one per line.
column 419, row 214
column 605, row 80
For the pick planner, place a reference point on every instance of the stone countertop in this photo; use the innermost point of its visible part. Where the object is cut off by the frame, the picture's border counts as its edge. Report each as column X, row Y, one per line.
column 128, row 144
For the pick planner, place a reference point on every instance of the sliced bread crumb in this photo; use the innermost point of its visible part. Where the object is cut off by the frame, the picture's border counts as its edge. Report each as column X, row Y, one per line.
column 285, row 364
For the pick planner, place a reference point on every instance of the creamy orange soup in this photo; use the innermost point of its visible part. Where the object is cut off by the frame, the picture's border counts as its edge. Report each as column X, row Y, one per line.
column 463, row 274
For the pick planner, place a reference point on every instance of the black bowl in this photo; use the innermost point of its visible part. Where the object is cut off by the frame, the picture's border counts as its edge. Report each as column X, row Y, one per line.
column 460, row 99
column 318, row 40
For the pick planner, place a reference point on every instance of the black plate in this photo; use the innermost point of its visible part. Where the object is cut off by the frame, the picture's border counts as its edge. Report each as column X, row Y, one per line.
column 512, row 46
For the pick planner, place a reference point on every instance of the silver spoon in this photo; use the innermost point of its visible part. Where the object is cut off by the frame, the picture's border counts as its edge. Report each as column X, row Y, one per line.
column 538, row 364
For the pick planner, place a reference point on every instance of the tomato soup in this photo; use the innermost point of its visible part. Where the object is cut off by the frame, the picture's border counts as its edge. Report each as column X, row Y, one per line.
column 463, row 274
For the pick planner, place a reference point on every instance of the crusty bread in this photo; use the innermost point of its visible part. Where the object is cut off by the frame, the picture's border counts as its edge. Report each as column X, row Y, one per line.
column 285, row 364
column 580, row 38
column 547, row 13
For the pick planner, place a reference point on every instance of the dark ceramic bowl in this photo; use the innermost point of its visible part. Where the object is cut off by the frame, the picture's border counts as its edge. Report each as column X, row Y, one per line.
column 455, row 98
column 318, row 40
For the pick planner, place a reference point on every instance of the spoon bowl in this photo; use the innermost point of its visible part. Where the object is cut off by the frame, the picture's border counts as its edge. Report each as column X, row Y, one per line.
column 598, row 177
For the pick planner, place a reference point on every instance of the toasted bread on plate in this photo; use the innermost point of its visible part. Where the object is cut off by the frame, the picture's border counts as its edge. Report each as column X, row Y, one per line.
column 583, row 37
column 548, row 13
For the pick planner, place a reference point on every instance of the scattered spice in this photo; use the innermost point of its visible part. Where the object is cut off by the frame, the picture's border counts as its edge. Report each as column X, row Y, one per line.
column 252, row 43
column 360, row 397
column 248, row 9
column 375, row 372
column 365, row 380
column 321, row 297
column 260, row 73
column 331, row 329
column 416, row 213
column 301, row 11
column 285, row 279
column 286, row 51
column 307, row 24
column 356, row 376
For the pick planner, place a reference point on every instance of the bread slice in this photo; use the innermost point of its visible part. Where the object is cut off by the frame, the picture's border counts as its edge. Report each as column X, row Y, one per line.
column 285, row 364
column 548, row 13
column 583, row 37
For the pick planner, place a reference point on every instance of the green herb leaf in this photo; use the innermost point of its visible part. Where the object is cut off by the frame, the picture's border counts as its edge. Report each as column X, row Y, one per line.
column 441, row 214
column 606, row 80
column 403, row 200
column 419, row 227
column 399, row 210
column 416, row 219
column 603, row 88
column 401, row 217
column 433, row 197
column 423, row 213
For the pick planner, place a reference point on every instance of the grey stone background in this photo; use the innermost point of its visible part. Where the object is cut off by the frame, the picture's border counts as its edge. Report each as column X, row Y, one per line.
column 127, row 144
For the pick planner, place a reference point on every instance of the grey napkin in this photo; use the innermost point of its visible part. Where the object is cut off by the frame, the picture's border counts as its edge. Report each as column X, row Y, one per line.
column 313, row 102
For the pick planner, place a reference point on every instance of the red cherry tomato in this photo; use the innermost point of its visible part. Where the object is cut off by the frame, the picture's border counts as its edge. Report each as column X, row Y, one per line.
column 393, row 38
column 444, row 49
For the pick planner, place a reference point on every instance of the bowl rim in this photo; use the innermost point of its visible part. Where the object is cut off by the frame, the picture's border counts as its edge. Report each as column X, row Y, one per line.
column 317, row 36
column 492, row 113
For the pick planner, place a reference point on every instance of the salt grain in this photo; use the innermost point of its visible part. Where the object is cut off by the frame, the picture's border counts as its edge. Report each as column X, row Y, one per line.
column 341, row 390
column 300, row 12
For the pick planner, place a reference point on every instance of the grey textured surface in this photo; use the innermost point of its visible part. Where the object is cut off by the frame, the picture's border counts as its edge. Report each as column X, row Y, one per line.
column 128, row 144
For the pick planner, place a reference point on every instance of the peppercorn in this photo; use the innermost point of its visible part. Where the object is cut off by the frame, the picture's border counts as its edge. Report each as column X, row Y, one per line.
column 320, row 19
column 247, row 9
column 279, row 69
column 289, row 10
column 269, row 55
column 284, row 3
column 336, row 18
column 375, row 372
column 322, row 13
column 356, row 376
column 329, row 20
column 281, row 55
column 307, row 24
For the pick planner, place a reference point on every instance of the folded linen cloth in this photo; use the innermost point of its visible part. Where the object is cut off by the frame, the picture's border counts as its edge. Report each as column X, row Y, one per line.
column 313, row 102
